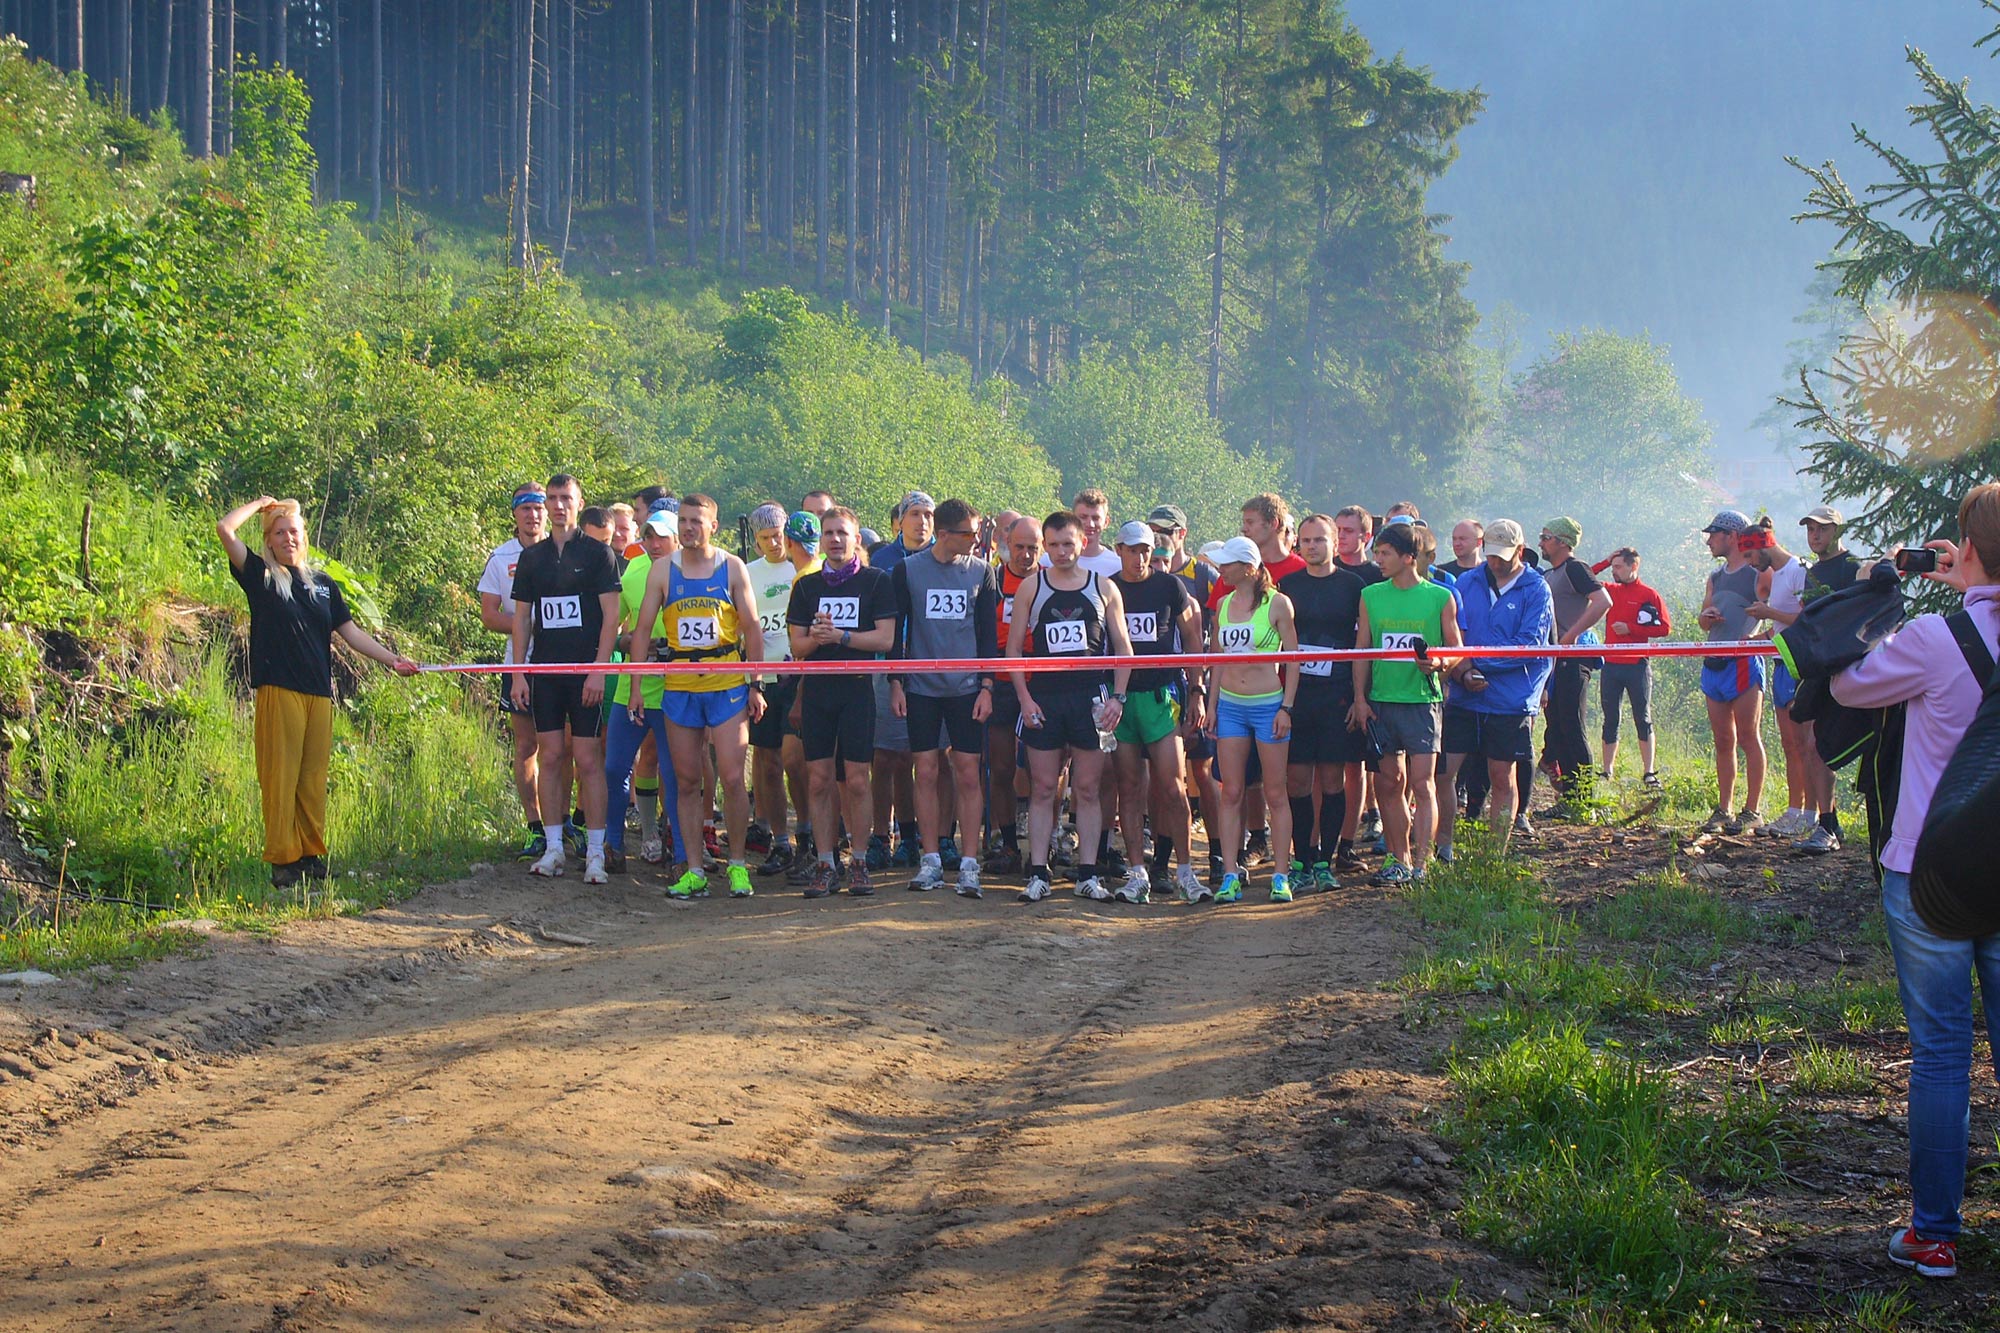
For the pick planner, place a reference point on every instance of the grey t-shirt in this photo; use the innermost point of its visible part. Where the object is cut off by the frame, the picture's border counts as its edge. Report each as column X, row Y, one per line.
column 1572, row 585
column 944, row 609
column 1732, row 595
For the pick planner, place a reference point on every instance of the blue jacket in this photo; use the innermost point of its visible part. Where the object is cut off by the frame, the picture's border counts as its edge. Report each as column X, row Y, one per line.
column 1526, row 615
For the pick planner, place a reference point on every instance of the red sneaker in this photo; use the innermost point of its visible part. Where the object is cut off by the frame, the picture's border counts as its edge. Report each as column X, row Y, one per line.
column 1931, row 1258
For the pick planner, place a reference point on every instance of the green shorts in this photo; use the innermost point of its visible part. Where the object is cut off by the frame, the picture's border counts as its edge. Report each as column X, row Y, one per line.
column 1150, row 715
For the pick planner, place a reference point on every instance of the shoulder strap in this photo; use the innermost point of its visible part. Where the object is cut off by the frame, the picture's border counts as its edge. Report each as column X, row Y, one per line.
column 1973, row 648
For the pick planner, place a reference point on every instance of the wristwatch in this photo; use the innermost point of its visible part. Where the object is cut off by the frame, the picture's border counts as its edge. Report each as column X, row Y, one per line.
column 845, row 636
column 1118, row 698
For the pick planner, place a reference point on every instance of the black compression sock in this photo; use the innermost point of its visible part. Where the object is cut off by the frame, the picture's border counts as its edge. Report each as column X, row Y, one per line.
column 1830, row 821
column 1163, row 854
column 1041, row 873
column 1302, row 827
column 1088, row 870
column 1332, row 818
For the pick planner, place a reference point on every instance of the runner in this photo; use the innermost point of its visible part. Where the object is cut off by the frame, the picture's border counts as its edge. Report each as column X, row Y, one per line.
column 711, row 616
column 915, row 523
column 624, row 534
column 1161, row 620
column 1397, row 702
column 817, row 503
column 785, row 550
column 1354, row 527
column 1835, row 568
column 1326, row 754
column 1638, row 615
column 844, row 611
column 1489, row 715
column 496, row 613
column 566, row 611
column 1581, row 602
column 891, row 773
column 629, row 727
column 1781, row 588
column 1252, row 706
column 1198, row 576
column 1023, row 543
column 1466, row 535
column 1093, row 510
column 1066, row 611
column 945, row 609
column 1733, row 686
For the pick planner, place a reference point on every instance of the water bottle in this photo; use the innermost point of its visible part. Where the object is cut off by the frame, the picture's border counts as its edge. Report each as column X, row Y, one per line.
column 1107, row 741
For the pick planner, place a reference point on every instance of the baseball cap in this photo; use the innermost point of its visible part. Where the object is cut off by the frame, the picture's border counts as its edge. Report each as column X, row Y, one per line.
column 1135, row 533
column 662, row 520
column 767, row 516
column 1565, row 530
column 1210, row 550
column 803, row 528
column 1503, row 538
column 1728, row 520
column 869, row 537
column 1823, row 514
column 1168, row 516
column 915, row 500
column 1400, row 518
column 1239, row 551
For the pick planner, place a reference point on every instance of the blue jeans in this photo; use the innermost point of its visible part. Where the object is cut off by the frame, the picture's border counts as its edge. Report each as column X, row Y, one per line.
column 622, row 740
column 1934, row 977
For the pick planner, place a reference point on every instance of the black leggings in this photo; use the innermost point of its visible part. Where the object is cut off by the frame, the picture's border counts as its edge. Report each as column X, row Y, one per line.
column 1473, row 784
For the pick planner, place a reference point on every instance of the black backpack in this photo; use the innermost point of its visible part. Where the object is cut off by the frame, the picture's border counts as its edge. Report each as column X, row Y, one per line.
column 1953, row 883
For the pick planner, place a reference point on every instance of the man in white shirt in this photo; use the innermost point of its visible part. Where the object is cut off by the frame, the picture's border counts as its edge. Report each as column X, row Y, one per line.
column 496, row 613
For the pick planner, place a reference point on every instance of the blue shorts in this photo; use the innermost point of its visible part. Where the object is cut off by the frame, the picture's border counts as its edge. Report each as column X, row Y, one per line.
column 1246, row 719
column 704, row 708
column 1727, row 679
column 1784, row 686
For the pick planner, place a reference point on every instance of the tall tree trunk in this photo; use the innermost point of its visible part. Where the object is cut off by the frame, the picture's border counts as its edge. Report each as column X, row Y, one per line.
column 788, row 154
column 165, row 86
column 281, row 23
column 646, row 200
column 1225, row 145
column 336, row 85
column 569, row 139
column 204, row 78
column 691, row 133
column 378, row 110
column 124, row 73
column 524, row 120
column 728, row 239
column 850, row 289
column 74, row 37
column 228, row 76
column 822, row 145
column 766, row 90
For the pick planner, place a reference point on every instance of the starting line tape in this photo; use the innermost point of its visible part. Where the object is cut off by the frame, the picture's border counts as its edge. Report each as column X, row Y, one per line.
column 1166, row 661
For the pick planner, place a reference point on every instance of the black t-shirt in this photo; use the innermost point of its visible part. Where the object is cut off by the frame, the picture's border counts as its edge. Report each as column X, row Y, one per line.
column 1367, row 571
column 291, row 638
column 1153, row 608
column 856, row 605
column 1327, row 612
column 1832, row 574
column 561, row 591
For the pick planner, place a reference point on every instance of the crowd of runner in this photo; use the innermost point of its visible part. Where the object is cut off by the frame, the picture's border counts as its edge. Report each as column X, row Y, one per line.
column 1318, row 769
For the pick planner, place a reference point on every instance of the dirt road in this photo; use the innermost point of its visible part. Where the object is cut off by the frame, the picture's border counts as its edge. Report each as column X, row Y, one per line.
column 910, row 1112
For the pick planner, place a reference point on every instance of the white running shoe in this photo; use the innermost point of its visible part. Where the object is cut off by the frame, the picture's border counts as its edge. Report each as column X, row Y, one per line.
column 653, row 851
column 1137, row 888
column 968, row 878
column 930, row 874
column 1191, row 887
column 552, row 865
column 593, row 870
column 1038, row 890
column 1093, row 889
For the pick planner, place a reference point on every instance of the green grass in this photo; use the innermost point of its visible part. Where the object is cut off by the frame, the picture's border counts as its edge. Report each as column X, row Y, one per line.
column 1696, row 926
column 1829, row 1070
column 90, row 934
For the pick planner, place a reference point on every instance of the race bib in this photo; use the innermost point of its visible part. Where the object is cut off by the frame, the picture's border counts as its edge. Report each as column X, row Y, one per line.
column 562, row 613
column 1237, row 638
column 1323, row 667
column 1065, row 636
column 945, row 604
column 844, row 612
column 700, row 632
column 1142, row 626
column 771, row 622
column 1401, row 643
column 1006, row 613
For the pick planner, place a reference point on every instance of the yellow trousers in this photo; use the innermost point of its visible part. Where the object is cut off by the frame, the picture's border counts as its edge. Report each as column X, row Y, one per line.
column 294, row 742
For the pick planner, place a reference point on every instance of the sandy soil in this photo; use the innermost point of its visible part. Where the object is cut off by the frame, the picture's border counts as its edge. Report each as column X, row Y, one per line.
column 910, row 1112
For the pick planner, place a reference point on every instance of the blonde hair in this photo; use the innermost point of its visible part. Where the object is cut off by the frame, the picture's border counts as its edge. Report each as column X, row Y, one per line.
column 271, row 516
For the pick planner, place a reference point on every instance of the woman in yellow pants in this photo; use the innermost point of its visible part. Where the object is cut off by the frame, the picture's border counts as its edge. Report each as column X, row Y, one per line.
column 295, row 610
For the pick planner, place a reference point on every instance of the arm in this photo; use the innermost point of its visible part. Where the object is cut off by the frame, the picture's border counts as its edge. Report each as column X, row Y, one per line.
column 986, row 643
column 225, row 528
column 1358, row 712
column 750, row 627
column 524, row 632
column 361, row 641
column 1593, row 611
column 492, row 617
column 1121, row 645
column 607, row 643
column 899, row 592
column 1017, row 640
column 1288, row 672
column 649, row 613
column 878, row 640
column 1533, row 630
column 1189, row 624
column 1899, row 668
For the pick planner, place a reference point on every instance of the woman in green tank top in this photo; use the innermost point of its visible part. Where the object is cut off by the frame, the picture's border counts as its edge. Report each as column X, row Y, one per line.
column 1252, row 706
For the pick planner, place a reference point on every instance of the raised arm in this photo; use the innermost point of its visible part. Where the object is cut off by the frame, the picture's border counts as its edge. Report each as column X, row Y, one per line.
column 225, row 528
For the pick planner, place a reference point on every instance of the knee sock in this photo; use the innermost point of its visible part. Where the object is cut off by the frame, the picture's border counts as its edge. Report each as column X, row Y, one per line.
column 1830, row 821
column 1302, row 822
column 1163, row 853
column 1332, row 815
column 1524, row 785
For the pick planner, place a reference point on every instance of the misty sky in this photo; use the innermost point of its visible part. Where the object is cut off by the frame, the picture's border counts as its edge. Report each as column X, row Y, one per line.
column 1629, row 171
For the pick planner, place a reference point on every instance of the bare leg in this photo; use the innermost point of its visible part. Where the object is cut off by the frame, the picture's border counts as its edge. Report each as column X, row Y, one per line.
column 1722, row 726
column 929, row 829
column 1232, row 757
column 1749, row 711
column 1420, row 769
column 1500, row 800
column 1044, row 771
column 1277, row 801
column 731, row 743
column 965, row 793
column 1395, row 814
column 526, row 767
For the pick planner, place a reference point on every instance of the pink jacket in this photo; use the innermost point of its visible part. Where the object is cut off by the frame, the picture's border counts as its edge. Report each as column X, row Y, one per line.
column 1921, row 663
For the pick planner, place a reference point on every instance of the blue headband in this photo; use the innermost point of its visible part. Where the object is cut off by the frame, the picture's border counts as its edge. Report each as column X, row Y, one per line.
column 530, row 498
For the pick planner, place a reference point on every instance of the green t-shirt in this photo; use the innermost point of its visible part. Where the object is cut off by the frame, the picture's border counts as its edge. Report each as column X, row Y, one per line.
column 1395, row 617
column 631, row 595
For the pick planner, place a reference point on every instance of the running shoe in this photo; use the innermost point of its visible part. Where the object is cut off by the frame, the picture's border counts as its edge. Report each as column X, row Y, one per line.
column 948, row 850
column 1378, row 844
column 968, row 878
column 1444, row 853
column 711, row 845
column 1231, row 890
column 1092, row 887
column 780, row 859
column 575, row 841
column 1003, row 859
column 1931, row 1258
column 1114, row 864
column 822, row 879
column 1257, row 850
column 1652, row 780
column 757, row 838
column 1371, row 824
column 533, row 847
column 1818, row 841
column 614, row 860
column 1137, row 888
column 593, row 870
column 739, row 881
column 802, row 870
column 1718, row 820
column 1320, row 878
column 1191, row 887
column 553, row 864
column 908, row 852
column 1281, row 888
column 1746, row 821
column 1347, row 861
column 1523, row 828
column 930, row 874
column 1038, row 890
column 1788, row 825
column 653, row 851
column 858, row 883
column 1392, row 872
column 692, row 884
column 877, row 855
column 1064, row 851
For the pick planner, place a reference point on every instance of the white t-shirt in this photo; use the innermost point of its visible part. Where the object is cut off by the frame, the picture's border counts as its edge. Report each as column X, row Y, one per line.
column 772, row 581
column 1105, row 562
column 499, row 580
column 1788, row 587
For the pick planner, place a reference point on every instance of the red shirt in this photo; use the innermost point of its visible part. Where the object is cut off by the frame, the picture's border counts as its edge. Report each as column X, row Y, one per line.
column 1641, row 610
column 1291, row 564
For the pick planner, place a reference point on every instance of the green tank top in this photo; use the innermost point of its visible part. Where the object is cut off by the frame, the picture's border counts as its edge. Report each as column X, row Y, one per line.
column 1248, row 637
